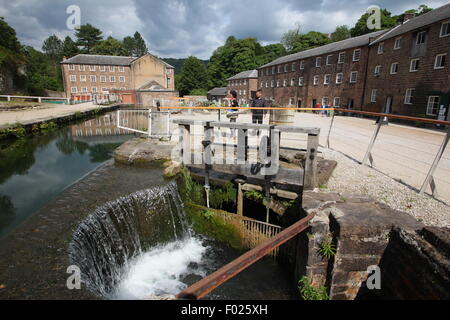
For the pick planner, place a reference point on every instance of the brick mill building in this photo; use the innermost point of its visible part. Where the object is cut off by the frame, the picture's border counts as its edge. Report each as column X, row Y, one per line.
column 408, row 68
column 245, row 84
column 331, row 75
column 403, row 70
column 136, row 80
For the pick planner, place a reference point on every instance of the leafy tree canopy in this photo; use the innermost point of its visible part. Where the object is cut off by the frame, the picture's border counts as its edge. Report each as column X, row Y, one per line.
column 360, row 28
column 294, row 41
column 109, row 47
column 88, row 37
column 341, row 33
column 69, row 48
column 53, row 48
column 135, row 46
column 193, row 76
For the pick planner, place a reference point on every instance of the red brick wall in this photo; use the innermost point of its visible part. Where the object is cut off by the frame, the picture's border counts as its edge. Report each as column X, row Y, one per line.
column 427, row 81
column 248, row 84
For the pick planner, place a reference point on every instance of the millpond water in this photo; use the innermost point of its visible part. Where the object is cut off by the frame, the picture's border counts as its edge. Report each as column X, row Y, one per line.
column 64, row 202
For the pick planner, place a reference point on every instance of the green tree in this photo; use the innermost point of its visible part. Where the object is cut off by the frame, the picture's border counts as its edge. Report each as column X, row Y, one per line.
column 8, row 39
column 129, row 45
column 109, row 47
column 341, row 33
column 294, row 41
column 193, row 76
column 69, row 48
column 53, row 48
column 87, row 37
column 140, row 48
column 271, row 52
column 290, row 38
column 360, row 28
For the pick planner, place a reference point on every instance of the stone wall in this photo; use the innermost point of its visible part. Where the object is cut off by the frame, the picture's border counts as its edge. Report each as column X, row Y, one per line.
column 414, row 260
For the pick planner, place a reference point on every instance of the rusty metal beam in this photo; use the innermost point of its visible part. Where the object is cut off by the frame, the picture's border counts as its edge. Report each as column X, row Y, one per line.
column 208, row 284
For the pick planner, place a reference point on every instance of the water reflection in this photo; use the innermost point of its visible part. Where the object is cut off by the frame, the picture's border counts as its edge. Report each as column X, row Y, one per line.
column 35, row 169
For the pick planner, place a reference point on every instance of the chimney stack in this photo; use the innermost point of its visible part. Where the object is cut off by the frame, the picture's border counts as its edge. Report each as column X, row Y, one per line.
column 408, row 16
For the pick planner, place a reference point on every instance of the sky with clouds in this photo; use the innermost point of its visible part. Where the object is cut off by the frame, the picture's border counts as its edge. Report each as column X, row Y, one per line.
column 180, row 28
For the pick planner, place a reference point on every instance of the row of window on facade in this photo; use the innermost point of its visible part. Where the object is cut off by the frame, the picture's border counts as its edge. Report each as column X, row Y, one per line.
column 83, row 78
column 236, row 83
column 98, row 132
column 316, row 80
column 318, row 62
column 432, row 104
column 92, row 89
column 420, row 38
column 439, row 63
column 93, row 68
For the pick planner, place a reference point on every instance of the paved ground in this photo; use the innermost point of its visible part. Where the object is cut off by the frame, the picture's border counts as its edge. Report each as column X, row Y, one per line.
column 42, row 113
column 401, row 152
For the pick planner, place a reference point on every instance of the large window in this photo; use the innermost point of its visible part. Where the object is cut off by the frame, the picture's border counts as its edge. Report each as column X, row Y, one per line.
column 102, row 78
column 445, row 29
column 122, row 79
column 421, row 37
column 102, row 68
column 337, row 102
column 93, row 78
column 73, row 90
column 353, row 76
column 81, row 67
column 71, row 67
column 341, row 58
column 373, row 96
column 112, row 79
column 439, row 62
column 73, row 78
column 409, row 96
column 316, row 80
column 329, row 59
column 414, row 66
column 83, row 78
column 327, row 79
column 356, row 54
column 377, row 70
column 285, row 68
column 433, row 105
column 302, row 65
column 92, row 68
column 394, row 68
column 398, row 43
column 111, row 68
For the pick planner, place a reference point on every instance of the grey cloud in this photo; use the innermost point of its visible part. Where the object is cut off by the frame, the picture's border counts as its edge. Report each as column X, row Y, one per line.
column 178, row 28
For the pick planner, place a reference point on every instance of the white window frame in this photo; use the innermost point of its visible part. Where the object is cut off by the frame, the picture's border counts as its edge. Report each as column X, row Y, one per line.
column 103, row 79
column 112, row 68
column 272, row 84
column 302, row 65
column 71, row 67
column 112, row 79
column 354, row 55
column 73, row 78
column 341, row 58
column 373, row 95
column 436, row 61
column 102, row 68
column 94, row 89
column 339, row 78
column 278, row 83
column 434, row 102
column 397, row 43
column 93, row 77
column 318, row 62
column 316, row 80
column 285, row 68
column 122, row 79
column 441, row 33
column 377, row 70
column 328, row 63
column 323, row 101
column 121, row 69
column 380, row 48
column 356, row 76
column 419, row 36
column 83, row 78
column 301, row 81
column 327, row 79
column 279, row 69
column 334, row 102
column 392, row 66
column 92, row 68
column 409, row 95
column 292, row 82
column 84, row 90
column 412, row 63
column 285, row 82
column 73, row 90
column 274, row 69
column 81, row 67
column 294, row 66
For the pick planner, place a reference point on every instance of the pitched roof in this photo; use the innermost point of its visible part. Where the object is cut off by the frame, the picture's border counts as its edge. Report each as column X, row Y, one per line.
column 218, row 92
column 152, row 85
column 99, row 60
column 245, row 75
column 428, row 18
column 332, row 47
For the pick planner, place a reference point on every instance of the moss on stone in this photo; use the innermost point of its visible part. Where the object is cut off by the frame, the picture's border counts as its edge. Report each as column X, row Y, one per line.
column 205, row 222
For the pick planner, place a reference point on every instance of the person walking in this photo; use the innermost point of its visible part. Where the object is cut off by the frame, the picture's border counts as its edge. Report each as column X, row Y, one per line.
column 233, row 112
column 259, row 102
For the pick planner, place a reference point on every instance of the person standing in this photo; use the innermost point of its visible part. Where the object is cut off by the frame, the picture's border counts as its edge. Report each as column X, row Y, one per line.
column 259, row 102
column 233, row 112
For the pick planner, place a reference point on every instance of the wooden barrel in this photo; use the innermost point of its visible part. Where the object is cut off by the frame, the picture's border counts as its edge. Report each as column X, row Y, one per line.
column 282, row 117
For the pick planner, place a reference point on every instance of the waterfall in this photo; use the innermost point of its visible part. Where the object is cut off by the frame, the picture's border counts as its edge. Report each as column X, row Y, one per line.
column 138, row 245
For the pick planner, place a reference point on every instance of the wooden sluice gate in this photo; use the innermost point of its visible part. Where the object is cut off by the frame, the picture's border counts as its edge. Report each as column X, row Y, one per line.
column 212, row 157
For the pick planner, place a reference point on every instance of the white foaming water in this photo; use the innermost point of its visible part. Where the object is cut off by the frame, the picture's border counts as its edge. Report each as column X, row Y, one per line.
column 159, row 271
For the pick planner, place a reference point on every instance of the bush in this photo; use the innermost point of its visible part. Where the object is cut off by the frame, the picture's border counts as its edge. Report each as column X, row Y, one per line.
column 308, row 292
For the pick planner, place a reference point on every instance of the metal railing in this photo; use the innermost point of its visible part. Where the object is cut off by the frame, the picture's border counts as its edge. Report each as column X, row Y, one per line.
column 154, row 124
